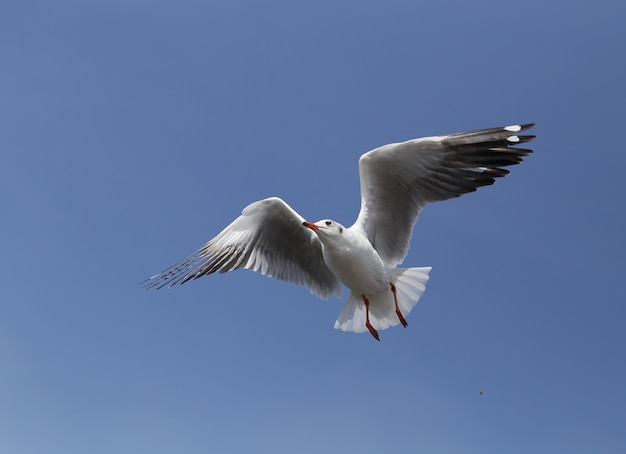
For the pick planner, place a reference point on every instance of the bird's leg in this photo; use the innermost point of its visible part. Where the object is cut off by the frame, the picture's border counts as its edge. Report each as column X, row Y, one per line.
column 395, row 299
column 367, row 318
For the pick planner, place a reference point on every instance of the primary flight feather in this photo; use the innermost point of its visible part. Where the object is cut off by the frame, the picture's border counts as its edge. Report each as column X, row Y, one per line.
column 397, row 181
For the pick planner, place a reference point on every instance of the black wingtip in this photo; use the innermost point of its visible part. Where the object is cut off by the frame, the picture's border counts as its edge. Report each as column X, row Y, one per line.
column 524, row 138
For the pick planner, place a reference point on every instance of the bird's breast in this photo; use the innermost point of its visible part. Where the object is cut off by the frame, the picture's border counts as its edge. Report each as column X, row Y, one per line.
column 358, row 266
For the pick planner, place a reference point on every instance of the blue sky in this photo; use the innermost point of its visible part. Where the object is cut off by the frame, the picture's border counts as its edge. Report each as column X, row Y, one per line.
column 133, row 131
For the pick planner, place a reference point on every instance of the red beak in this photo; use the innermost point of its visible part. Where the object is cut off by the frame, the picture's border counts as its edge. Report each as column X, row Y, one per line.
column 310, row 225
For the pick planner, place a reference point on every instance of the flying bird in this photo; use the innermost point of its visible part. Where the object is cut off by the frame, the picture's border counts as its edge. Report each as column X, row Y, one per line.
column 397, row 181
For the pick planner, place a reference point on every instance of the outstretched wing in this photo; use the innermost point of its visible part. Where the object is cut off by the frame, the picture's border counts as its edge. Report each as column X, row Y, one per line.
column 399, row 179
column 268, row 238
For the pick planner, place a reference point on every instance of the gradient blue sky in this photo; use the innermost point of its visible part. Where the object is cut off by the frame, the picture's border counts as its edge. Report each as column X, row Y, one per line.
column 133, row 131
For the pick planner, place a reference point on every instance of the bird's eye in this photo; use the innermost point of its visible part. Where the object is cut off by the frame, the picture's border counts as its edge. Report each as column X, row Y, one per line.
column 328, row 223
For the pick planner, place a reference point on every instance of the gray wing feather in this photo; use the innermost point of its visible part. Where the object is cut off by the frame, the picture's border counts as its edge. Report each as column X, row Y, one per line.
column 268, row 238
column 398, row 180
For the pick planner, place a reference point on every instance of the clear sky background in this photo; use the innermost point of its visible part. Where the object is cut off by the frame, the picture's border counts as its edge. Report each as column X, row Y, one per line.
column 133, row 131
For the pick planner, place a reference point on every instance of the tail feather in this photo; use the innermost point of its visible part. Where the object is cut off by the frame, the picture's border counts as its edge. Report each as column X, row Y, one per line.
column 352, row 316
column 410, row 286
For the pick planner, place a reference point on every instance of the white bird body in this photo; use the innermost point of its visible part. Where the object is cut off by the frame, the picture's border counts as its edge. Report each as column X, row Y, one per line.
column 352, row 258
column 397, row 181
column 374, row 285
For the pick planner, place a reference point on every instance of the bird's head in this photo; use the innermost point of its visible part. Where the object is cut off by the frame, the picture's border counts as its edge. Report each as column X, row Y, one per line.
column 325, row 229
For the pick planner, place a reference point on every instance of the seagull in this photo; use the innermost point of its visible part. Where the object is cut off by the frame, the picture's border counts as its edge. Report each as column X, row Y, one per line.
column 397, row 181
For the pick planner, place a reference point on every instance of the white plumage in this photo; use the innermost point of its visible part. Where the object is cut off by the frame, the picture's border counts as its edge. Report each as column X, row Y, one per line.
column 397, row 181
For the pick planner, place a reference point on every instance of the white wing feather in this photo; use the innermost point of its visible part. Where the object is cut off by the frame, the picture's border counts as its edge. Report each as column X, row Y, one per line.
column 268, row 238
column 399, row 179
